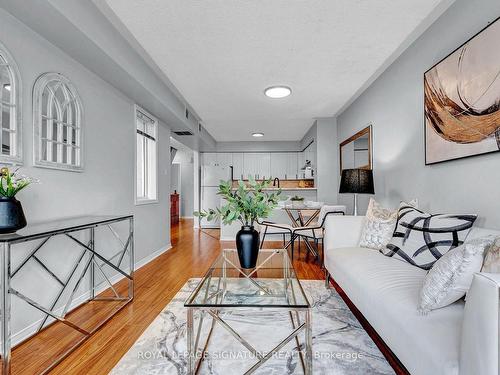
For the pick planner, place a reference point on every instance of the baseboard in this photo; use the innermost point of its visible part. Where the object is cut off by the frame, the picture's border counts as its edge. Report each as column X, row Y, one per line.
column 394, row 362
column 30, row 330
column 151, row 256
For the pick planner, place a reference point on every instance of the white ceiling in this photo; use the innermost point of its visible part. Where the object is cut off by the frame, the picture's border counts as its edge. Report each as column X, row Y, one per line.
column 221, row 55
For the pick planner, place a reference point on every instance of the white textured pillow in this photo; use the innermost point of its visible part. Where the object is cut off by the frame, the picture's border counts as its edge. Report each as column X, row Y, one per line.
column 451, row 276
column 492, row 259
column 379, row 225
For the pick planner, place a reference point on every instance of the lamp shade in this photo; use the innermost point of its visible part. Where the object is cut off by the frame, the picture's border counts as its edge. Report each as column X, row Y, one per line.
column 358, row 181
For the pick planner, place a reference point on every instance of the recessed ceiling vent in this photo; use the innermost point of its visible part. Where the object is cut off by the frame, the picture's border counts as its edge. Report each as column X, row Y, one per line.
column 182, row 132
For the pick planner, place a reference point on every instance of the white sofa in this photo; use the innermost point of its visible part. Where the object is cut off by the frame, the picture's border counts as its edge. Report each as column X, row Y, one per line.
column 462, row 338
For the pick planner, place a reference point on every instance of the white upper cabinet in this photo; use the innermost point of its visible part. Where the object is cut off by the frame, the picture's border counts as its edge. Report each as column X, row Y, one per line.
column 238, row 171
column 291, row 166
column 279, row 161
column 224, row 159
column 209, row 159
column 257, row 164
column 217, row 159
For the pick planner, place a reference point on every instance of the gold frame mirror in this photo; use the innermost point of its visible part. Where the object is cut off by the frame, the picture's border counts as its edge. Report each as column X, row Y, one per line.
column 356, row 151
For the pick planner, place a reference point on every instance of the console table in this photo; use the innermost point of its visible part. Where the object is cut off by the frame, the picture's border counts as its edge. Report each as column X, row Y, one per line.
column 89, row 261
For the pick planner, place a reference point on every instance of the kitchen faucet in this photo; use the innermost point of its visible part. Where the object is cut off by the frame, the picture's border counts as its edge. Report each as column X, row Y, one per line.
column 274, row 182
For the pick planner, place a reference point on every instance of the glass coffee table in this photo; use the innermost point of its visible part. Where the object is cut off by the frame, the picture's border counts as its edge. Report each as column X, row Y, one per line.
column 271, row 287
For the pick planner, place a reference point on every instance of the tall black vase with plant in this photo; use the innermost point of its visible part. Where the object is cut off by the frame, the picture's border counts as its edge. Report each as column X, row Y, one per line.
column 11, row 211
column 247, row 203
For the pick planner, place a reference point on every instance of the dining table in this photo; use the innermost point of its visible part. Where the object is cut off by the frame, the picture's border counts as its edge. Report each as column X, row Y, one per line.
column 297, row 214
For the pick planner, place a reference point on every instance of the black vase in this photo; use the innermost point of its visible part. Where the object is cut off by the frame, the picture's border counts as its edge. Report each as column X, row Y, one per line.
column 247, row 243
column 11, row 215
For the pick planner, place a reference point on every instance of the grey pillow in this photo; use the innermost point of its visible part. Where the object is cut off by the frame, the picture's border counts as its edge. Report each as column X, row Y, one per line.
column 451, row 277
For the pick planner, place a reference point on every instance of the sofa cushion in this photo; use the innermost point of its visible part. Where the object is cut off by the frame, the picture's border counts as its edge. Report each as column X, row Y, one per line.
column 386, row 292
column 492, row 259
column 421, row 238
column 451, row 276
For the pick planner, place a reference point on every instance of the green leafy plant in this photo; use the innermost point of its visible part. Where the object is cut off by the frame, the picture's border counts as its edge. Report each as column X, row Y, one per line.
column 12, row 183
column 246, row 203
column 296, row 198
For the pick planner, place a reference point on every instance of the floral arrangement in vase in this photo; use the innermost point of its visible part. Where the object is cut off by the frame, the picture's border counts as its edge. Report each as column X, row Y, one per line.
column 11, row 211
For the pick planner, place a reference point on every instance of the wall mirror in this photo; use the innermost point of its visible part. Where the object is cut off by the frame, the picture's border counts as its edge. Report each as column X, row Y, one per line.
column 356, row 151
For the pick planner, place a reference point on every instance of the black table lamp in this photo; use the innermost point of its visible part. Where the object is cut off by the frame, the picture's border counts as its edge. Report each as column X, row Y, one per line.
column 356, row 181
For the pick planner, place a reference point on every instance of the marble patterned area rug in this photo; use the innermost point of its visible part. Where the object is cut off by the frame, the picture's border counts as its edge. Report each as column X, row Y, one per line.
column 340, row 345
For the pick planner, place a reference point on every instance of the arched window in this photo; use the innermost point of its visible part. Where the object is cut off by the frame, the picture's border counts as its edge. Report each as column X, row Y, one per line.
column 57, row 116
column 10, row 110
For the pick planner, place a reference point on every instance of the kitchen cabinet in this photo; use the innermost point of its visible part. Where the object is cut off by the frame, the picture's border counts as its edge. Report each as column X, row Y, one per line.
column 257, row 164
column 291, row 166
column 238, row 171
column 217, row 159
column 209, row 159
column 224, row 159
column 279, row 162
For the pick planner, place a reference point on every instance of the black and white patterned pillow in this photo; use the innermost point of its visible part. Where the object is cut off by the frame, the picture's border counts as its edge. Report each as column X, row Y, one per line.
column 421, row 238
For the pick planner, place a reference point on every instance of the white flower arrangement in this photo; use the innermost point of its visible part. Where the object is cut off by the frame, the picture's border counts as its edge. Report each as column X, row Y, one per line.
column 12, row 183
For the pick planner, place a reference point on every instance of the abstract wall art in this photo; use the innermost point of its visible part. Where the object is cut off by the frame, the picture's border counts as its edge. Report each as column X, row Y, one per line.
column 462, row 100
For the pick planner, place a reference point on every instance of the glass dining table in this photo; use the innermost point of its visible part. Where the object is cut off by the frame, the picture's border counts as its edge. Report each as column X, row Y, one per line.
column 302, row 215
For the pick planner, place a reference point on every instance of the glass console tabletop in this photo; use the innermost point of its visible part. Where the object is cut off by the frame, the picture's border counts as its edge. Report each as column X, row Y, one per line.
column 272, row 284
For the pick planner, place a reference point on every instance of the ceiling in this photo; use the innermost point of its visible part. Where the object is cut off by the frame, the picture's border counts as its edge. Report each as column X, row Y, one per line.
column 221, row 55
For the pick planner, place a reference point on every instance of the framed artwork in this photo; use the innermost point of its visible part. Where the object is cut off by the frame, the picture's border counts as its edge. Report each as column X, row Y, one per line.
column 462, row 100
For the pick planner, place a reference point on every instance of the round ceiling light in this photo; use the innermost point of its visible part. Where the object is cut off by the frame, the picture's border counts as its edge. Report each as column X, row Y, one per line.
column 277, row 92
column 257, row 134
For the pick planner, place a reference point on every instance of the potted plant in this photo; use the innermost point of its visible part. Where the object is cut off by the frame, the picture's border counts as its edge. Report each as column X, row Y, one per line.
column 297, row 201
column 11, row 211
column 247, row 204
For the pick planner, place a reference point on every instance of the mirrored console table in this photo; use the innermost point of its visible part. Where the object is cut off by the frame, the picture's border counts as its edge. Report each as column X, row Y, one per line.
column 73, row 243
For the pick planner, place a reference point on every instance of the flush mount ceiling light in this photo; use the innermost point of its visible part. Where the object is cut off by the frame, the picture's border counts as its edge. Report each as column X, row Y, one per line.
column 257, row 134
column 277, row 92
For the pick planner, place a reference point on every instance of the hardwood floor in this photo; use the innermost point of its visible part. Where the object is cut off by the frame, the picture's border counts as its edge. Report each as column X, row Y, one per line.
column 155, row 285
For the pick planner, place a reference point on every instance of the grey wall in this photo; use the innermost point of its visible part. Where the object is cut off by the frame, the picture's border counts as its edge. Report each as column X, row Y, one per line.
column 187, row 190
column 184, row 162
column 327, row 170
column 394, row 105
column 105, row 187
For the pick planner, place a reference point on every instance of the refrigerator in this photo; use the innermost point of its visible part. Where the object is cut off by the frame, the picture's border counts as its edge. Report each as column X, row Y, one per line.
column 210, row 179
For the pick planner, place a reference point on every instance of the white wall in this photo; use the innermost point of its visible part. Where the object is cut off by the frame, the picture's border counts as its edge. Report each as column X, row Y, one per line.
column 107, row 184
column 394, row 104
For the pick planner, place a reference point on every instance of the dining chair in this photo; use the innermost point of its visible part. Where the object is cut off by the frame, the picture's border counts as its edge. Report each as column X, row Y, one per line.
column 316, row 230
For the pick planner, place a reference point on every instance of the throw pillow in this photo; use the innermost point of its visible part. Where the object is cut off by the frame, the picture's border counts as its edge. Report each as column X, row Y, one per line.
column 451, row 277
column 492, row 259
column 421, row 238
column 378, row 227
